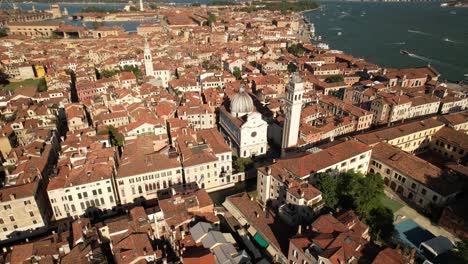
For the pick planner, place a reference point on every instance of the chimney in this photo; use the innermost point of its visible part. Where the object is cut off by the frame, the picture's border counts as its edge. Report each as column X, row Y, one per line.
column 268, row 170
column 299, row 230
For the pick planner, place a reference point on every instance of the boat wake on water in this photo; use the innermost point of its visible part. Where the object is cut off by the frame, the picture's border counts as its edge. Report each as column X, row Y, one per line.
column 398, row 43
column 450, row 40
column 419, row 57
column 418, row 32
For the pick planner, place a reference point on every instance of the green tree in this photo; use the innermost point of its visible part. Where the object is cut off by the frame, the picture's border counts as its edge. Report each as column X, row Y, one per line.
column 345, row 181
column 292, row 67
column 42, row 85
column 3, row 77
column 462, row 250
column 242, row 164
column 133, row 8
column 3, row 32
column 380, row 223
column 237, row 73
column 329, row 187
column 366, row 193
column 211, row 19
column 335, row 79
column 135, row 70
column 108, row 73
column 117, row 139
column 296, row 50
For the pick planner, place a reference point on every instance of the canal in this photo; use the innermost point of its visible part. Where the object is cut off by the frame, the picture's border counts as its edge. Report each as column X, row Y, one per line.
column 248, row 185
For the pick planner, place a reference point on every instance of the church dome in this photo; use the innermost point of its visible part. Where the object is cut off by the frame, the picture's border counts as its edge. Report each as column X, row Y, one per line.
column 241, row 103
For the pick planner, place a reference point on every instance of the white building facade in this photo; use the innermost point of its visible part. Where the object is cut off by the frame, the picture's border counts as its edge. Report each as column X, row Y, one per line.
column 293, row 112
column 245, row 128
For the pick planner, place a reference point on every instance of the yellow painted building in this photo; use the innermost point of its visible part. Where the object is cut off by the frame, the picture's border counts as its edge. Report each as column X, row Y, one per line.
column 40, row 71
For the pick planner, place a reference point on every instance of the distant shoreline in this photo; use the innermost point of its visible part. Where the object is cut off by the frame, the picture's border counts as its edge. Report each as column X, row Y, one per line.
column 308, row 10
column 73, row 3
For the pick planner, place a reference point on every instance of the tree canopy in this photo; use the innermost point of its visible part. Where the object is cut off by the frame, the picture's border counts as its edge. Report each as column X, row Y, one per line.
column 3, row 32
column 242, row 164
column 335, row 79
column 117, row 139
column 42, row 85
column 296, row 50
column 362, row 193
column 127, row 68
column 237, row 73
column 329, row 186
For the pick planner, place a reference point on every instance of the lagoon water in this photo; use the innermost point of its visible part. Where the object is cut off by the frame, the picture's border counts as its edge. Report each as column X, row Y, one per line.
column 374, row 31
column 378, row 31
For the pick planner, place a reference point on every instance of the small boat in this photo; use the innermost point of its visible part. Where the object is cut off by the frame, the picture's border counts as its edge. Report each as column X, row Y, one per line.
column 404, row 52
column 444, row 5
column 339, row 33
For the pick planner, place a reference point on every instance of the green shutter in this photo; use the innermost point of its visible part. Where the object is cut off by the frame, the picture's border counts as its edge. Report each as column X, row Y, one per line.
column 259, row 239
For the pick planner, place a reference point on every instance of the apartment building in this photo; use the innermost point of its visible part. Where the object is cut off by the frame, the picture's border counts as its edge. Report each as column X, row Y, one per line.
column 390, row 109
column 362, row 119
column 76, row 117
column 24, row 210
column 423, row 105
column 412, row 77
column 297, row 200
column 143, row 171
column 411, row 137
column 262, row 224
column 457, row 121
column 207, row 160
column 87, row 187
column 330, row 239
column 132, row 231
column 451, row 144
column 115, row 119
column 199, row 116
column 180, row 206
column 414, row 178
column 341, row 157
column 452, row 102
column 34, row 29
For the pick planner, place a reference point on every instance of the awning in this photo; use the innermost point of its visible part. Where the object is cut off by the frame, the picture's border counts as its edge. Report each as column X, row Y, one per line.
column 259, row 239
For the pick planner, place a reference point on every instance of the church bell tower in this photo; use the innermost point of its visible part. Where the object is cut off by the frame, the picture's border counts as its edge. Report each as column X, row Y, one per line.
column 148, row 60
column 293, row 113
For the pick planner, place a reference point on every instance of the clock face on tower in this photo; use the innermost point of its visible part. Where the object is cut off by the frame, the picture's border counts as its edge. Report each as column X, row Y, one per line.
column 253, row 134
